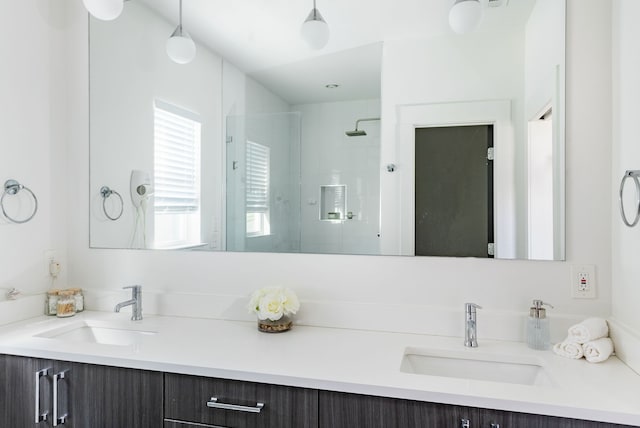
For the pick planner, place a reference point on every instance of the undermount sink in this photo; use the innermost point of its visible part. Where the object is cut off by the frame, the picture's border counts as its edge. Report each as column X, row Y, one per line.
column 524, row 371
column 98, row 332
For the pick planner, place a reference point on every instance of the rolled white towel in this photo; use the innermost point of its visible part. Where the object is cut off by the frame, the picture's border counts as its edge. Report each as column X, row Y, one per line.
column 569, row 349
column 598, row 350
column 588, row 330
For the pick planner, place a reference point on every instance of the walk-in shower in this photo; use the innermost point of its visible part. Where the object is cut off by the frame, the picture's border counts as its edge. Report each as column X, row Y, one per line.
column 360, row 132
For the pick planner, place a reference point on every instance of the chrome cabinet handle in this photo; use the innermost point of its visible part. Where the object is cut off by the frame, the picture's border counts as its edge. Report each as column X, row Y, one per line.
column 213, row 403
column 58, row 420
column 495, row 425
column 40, row 417
column 465, row 423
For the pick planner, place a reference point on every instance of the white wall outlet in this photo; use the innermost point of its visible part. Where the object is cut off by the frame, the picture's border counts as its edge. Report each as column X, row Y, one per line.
column 49, row 257
column 583, row 281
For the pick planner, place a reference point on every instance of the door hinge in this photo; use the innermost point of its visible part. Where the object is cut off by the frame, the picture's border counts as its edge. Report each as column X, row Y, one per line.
column 490, row 153
column 229, row 139
column 491, row 249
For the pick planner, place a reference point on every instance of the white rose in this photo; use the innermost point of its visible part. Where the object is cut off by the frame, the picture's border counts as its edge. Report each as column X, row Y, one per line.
column 255, row 301
column 270, row 306
column 290, row 303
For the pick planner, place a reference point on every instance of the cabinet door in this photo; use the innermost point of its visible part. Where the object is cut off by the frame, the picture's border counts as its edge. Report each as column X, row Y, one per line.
column 340, row 410
column 19, row 380
column 107, row 397
column 190, row 399
column 502, row 419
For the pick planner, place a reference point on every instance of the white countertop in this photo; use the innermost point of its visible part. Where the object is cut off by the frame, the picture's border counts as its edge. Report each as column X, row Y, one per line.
column 362, row 362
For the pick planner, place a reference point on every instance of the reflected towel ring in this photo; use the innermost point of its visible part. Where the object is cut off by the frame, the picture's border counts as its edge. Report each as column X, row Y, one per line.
column 106, row 192
column 12, row 187
column 633, row 175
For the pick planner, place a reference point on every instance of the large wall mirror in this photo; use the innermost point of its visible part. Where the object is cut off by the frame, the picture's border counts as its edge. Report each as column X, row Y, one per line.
column 263, row 144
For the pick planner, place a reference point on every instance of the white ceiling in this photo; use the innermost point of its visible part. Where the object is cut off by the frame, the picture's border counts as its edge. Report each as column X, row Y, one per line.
column 261, row 38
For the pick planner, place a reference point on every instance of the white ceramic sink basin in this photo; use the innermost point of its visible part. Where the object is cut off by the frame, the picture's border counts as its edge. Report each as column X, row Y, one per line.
column 99, row 332
column 474, row 365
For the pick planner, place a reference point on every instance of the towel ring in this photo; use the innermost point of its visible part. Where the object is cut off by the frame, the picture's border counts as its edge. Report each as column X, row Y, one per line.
column 633, row 175
column 12, row 187
column 106, row 193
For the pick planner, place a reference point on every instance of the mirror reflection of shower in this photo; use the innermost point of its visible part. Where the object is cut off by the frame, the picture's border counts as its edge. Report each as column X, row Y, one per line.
column 293, row 185
column 360, row 132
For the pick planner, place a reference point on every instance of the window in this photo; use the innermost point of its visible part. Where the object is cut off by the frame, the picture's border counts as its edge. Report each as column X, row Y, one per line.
column 177, row 134
column 257, row 189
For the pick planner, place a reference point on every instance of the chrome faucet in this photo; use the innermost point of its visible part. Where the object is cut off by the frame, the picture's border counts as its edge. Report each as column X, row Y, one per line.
column 135, row 302
column 470, row 331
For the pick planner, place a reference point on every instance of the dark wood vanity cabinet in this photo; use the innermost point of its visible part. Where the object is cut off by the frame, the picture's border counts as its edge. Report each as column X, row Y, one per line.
column 342, row 410
column 86, row 395
column 95, row 396
column 236, row 404
column 106, row 397
column 18, row 378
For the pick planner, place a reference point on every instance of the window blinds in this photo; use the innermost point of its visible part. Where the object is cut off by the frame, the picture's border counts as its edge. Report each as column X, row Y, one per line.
column 257, row 183
column 176, row 159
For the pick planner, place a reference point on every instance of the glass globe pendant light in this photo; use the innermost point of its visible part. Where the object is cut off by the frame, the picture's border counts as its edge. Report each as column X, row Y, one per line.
column 105, row 10
column 465, row 16
column 180, row 46
column 315, row 31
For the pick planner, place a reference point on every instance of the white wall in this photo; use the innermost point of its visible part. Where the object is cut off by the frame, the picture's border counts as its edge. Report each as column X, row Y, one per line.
column 626, row 109
column 329, row 157
column 544, row 88
column 543, row 53
column 130, row 69
column 34, row 124
column 449, row 69
column 351, row 290
column 397, row 293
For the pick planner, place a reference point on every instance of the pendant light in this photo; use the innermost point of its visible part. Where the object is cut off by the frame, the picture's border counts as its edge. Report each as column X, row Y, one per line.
column 315, row 30
column 465, row 16
column 180, row 47
column 105, row 10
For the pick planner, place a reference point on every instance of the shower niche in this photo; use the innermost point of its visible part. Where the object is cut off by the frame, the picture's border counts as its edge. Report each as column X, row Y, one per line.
column 333, row 202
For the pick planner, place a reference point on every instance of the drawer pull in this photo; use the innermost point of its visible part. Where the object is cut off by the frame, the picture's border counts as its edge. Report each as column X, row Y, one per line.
column 465, row 423
column 213, row 403
column 58, row 420
column 40, row 416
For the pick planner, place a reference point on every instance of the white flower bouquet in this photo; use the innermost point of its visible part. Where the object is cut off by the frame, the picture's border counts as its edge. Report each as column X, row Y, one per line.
column 274, row 303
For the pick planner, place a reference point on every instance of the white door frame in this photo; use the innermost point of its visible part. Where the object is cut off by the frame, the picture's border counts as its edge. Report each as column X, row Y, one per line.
column 490, row 112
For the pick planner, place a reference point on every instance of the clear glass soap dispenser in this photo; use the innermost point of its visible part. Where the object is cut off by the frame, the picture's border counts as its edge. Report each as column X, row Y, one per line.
column 538, row 334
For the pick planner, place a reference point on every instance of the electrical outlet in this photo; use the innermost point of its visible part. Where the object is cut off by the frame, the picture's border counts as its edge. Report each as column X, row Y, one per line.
column 49, row 257
column 583, row 281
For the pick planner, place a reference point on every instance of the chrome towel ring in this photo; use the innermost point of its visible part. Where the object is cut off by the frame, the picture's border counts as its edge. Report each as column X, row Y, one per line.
column 634, row 176
column 106, row 192
column 12, row 187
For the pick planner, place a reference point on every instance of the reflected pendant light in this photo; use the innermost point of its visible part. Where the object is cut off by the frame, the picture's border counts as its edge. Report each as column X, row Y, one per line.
column 180, row 47
column 315, row 30
column 105, row 10
column 465, row 16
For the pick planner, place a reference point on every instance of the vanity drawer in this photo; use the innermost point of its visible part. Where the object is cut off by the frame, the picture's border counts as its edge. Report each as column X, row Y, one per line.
column 237, row 404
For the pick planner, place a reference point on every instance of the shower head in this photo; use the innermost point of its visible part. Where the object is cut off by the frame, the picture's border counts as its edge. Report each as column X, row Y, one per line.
column 359, row 132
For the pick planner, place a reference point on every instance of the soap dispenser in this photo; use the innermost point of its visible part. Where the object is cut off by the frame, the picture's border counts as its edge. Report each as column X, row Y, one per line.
column 538, row 335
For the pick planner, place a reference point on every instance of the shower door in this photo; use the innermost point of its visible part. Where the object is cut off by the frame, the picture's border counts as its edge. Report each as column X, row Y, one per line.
column 263, row 183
